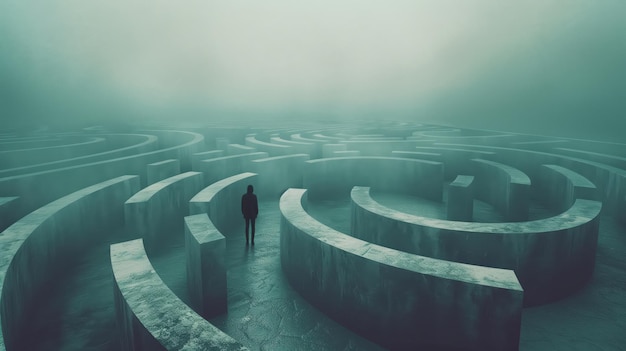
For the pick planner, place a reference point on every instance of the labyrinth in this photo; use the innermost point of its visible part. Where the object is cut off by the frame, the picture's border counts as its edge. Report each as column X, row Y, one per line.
column 375, row 236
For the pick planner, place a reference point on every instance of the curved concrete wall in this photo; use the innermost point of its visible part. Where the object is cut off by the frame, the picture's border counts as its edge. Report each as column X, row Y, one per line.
column 610, row 181
column 160, row 170
column 277, row 174
column 173, row 139
column 336, row 176
column 297, row 147
column 400, row 300
column 119, row 148
column 158, row 210
column 141, row 301
column 373, row 147
column 552, row 257
column 460, row 206
column 72, row 148
column 7, row 211
column 317, row 149
column 456, row 160
column 35, row 189
column 204, row 155
column 219, row 168
column 40, row 244
column 205, row 249
column 271, row 149
column 504, row 187
column 559, row 187
column 222, row 200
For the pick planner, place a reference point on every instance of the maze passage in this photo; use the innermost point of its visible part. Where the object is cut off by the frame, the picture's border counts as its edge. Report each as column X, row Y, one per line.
column 377, row 236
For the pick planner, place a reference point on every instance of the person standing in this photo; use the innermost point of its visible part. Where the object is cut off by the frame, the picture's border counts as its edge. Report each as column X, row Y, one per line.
column 249, row 209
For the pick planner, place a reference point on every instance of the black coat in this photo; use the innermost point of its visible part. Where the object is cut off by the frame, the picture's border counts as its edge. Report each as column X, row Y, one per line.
column 249, row 205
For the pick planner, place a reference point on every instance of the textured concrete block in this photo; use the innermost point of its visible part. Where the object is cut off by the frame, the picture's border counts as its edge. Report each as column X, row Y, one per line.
column 205, row 247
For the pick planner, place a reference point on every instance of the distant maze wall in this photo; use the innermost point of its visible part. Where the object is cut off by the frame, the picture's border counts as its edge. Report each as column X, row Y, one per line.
column 62, row 191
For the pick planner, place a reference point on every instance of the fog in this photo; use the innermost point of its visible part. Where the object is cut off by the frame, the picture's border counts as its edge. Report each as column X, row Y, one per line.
column 547, row 67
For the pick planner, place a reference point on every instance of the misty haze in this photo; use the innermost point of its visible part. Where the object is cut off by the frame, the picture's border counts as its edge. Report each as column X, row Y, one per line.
column 290, row 175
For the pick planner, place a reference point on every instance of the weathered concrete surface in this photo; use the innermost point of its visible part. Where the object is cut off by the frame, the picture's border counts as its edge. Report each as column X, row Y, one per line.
column 336, row 176
column 552, row 257
column 504, row 187
column 163, row 169
column 277, row 174
column 153, row 212
column 222, row 200
column 460, row 204
column 401, row 300
column 44, row 242
column 205, row 247
column 150, row 316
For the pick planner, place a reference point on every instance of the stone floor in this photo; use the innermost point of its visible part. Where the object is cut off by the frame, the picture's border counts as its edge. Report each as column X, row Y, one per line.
column 264, row 313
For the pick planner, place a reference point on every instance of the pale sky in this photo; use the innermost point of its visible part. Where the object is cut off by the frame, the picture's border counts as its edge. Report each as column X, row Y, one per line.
column 475, row 63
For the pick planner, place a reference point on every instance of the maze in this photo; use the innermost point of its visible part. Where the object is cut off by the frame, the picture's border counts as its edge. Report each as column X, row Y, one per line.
column 399, row 236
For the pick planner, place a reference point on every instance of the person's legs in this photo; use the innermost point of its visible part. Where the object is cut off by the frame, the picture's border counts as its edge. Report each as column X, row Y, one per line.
column 252, row 220
column 248, row 226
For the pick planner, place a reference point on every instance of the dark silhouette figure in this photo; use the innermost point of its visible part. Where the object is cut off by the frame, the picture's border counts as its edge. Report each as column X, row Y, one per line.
column 249, row 209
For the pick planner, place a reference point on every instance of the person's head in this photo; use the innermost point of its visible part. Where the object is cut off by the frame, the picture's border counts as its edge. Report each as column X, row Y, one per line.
column 250, row 189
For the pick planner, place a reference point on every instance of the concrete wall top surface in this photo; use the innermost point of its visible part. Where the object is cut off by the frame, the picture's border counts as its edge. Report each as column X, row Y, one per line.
column 202, row 228
column 207, row 194
column 148, row 192
column 515, row 175
column 577, row 179
column 581, row 212
column 463, row 181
